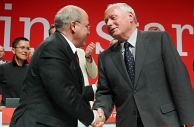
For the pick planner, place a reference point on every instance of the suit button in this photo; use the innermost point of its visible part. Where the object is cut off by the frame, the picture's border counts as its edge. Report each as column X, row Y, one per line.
column 134, row 92
column 134, row 112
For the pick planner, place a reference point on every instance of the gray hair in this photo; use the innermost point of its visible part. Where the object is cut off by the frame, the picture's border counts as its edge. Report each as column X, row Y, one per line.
column 125, row 7
column 65, row 15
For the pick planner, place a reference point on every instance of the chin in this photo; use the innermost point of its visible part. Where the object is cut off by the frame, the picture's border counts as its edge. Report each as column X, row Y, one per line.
column 24, row 58
column 114, row 34
column 83, row 44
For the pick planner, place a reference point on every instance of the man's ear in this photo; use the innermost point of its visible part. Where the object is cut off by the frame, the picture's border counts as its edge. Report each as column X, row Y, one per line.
column 13, row 50
column 73, row 26
column 131, row 16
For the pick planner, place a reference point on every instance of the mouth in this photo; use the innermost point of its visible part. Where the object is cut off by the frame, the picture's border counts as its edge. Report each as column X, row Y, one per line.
column 25, row 55
column 112, row 30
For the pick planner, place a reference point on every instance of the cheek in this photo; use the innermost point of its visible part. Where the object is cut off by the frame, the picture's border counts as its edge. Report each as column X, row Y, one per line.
column 18, row 53
column 84, row 33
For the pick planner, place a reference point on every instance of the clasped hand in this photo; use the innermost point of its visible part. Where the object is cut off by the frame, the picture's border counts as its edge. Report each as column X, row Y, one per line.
column 100, row 118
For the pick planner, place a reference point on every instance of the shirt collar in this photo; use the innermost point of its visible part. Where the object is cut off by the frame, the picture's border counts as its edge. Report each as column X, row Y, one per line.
column 15, row 63
column 132, row 40
column 73, row 48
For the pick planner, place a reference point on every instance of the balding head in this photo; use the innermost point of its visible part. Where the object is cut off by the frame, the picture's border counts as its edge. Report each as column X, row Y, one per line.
column 67, row 14
column 73, row 23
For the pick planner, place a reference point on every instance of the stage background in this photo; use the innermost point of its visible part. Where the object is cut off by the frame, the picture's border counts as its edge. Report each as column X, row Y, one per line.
column 32, row 19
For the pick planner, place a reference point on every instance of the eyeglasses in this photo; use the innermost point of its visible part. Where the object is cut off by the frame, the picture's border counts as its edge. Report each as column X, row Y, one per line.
column 87, row 26
column 23, row 48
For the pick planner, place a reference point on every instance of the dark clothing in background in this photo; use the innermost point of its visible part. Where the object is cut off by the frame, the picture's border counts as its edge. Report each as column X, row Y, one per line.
column 7, row 61
column 11, row 78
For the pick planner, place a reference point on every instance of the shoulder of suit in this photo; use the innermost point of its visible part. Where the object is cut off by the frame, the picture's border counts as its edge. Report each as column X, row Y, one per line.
column 107, row 51
column 151, row 33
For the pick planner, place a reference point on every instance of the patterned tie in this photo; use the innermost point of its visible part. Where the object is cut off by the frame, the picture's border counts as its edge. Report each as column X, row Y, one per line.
column 76, row 57
column 129, row 61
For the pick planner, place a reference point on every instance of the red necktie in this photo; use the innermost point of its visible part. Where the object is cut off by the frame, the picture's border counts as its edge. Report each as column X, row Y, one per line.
column 76, row 57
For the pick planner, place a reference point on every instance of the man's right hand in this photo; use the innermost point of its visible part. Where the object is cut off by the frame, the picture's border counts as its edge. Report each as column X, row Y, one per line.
column 100, row 118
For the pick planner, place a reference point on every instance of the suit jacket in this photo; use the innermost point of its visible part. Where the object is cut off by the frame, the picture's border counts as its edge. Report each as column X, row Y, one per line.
column 53, row 94
column 89, row 70
column 162, row 91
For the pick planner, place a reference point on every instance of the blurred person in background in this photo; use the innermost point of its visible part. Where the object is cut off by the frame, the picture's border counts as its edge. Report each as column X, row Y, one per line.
column 2, row 61
column 31, row 54
column 154, row 28
column 12, row 73
column 52, row 29
column 2, row 54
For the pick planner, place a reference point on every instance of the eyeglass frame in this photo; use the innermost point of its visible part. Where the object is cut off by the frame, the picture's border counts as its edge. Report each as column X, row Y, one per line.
column 87, row 26
column 23, row 47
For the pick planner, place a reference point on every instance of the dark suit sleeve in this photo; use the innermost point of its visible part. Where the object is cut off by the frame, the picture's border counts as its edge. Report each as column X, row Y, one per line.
column 56, row 71
column 179, row 81
column 88, row 93
column 104, row 96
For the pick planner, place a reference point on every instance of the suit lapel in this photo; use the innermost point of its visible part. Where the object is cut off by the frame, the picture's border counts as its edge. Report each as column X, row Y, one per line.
column 78, row 69
column 118, row 60
column 74, row 63
column 140, row 53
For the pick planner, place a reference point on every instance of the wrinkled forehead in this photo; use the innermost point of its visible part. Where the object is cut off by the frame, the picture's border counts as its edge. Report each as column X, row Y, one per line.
column 113, row 10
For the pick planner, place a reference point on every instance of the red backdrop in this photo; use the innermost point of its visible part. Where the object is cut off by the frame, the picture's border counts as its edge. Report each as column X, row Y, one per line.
column 33, row 18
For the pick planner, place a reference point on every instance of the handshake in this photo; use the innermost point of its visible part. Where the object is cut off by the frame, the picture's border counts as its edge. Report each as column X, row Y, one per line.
column 100, row 118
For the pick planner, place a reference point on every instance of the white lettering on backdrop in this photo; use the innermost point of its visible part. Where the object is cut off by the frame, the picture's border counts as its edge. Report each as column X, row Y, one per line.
column 28, row 22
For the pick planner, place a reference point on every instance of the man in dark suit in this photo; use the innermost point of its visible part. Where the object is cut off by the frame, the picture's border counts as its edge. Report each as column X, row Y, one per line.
column 160, row 93
column 53, row 93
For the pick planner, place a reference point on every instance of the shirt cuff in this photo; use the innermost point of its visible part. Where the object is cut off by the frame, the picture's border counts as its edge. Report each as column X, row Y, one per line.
column 94, row 117
column 94, row 88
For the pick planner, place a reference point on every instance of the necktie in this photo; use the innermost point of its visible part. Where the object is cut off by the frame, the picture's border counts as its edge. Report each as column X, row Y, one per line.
column 129, row 61
column 76, row 57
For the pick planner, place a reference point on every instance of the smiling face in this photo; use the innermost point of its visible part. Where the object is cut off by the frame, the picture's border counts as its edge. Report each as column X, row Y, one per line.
column 21, row 50
column 119, row 23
